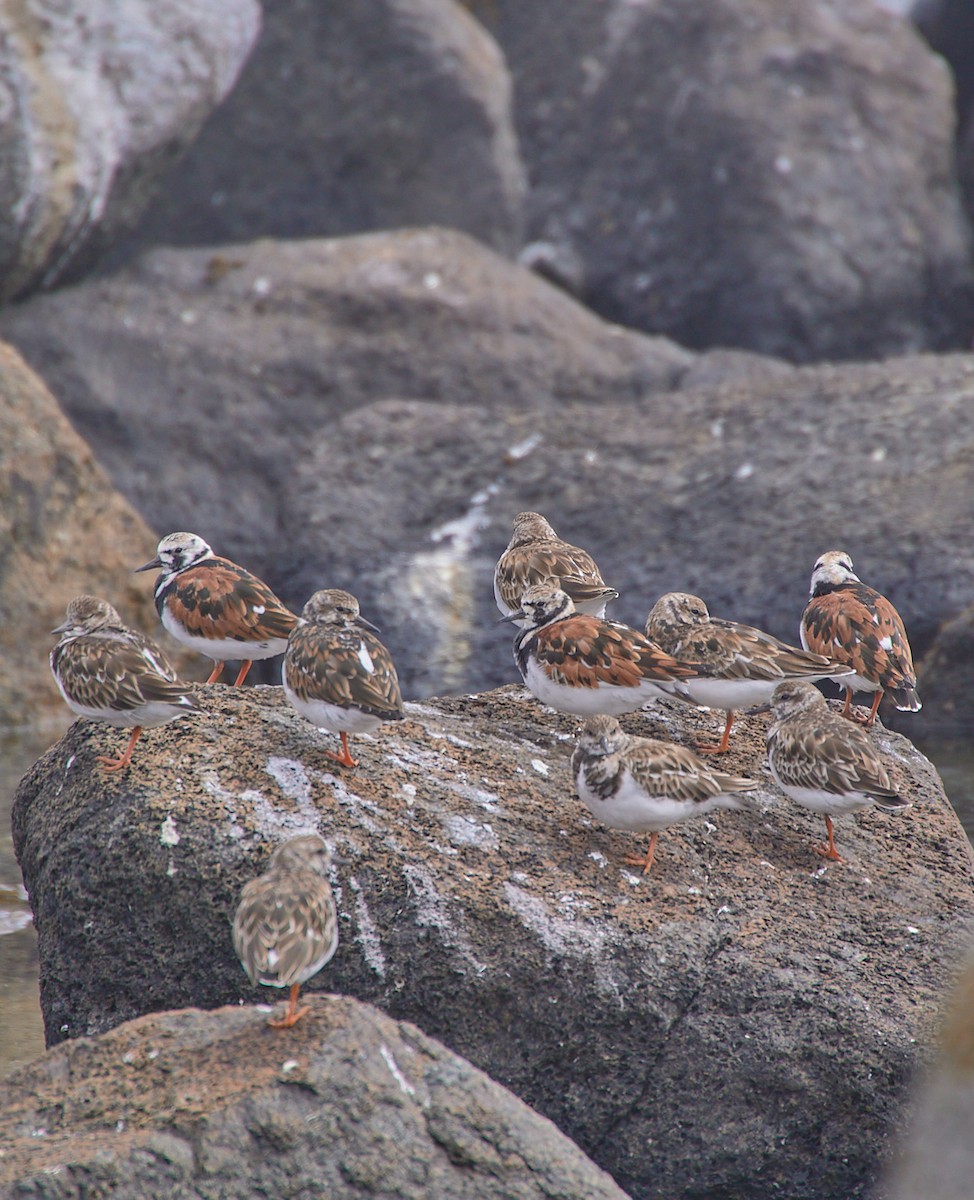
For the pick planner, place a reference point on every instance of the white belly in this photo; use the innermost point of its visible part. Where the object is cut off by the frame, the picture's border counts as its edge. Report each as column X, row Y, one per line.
column 731, row 694
column 633, row 809
column 829, row 804
column 223, row 649
column 607, row 699
column 333, row 717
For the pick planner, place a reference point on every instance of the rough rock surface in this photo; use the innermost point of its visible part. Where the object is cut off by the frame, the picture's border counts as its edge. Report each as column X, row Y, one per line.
column 371, row 412
column 349, row 117
column 95, row 104
column 741, row 1021
column 779, row 177
column 63, row 530
column 348, row 1104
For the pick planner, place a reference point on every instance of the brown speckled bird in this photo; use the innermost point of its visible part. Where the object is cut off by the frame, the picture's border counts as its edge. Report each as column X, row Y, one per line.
column 108, row 672
column 747, row 663
column 646, row 785
column 536, row 553
column 285, row 928
column 337, row 674
column 581, row 664
column 854, row 624
column 215, row 607
column 825, row 763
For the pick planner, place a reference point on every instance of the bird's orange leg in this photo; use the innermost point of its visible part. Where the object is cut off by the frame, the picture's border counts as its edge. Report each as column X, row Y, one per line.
column 872, row 712
column 724, row 744
column 216, row 672
column 242, row 673
column 293, row 1014
column 829, row 851
column 345, row 758
column 116, row 764
column 847, row 710
column 646, row 861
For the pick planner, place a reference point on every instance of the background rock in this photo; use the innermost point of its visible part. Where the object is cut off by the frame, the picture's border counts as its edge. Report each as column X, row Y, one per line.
column 937, row 1158
column 371, row 412
column 776, row 177
column 95, row 104
column 348, row 1104
column 63, row 530
column 741, row 1019
column 352, row 117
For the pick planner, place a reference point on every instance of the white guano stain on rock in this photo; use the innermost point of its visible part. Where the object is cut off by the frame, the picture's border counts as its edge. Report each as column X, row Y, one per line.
column 168, row 833
column 433, row 910
column 405, row 1086
column 367, row 935
column 565, row 936
column 463, row 831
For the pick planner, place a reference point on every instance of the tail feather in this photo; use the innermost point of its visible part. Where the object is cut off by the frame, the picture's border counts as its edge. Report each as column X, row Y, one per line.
column 905, row 699
column 892, row 804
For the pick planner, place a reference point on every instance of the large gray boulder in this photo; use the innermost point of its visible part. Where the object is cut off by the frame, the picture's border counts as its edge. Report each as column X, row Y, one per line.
column 350, row 117
column 741, row 1022
column 779, row 177
column 96, row 102
column 371, row 412
column 349, row 1104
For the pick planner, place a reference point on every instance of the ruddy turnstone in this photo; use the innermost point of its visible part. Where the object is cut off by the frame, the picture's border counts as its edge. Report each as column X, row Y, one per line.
column 854, row 624
column 338, row 674
column 108, row 672
column 747, row 663
column 215, row 607
column 580, row 664
column 823, row 762
column 645, row 785
column 536, row 553
column 285, row 928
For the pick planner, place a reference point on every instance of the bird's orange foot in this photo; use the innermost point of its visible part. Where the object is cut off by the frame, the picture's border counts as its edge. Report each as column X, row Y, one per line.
column 710, row 748
column 111, row 764
column 345, row 760
column 290, row 1018
column 829, row 852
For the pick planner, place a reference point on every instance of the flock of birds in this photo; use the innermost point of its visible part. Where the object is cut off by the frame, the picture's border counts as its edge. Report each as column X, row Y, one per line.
column 338, row 675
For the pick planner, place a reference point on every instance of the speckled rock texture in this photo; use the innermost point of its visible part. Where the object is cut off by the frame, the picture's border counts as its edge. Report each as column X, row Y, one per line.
column 371, row 412
column 63, row 530
column 96, row 102
column 740, row 1022
column 349, row 1104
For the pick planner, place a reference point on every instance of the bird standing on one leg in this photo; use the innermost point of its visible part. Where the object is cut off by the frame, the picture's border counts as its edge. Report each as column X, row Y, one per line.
column 215, row 607
column 337, row 674
column 285, row 928
column 854, row 624
column 108, row 672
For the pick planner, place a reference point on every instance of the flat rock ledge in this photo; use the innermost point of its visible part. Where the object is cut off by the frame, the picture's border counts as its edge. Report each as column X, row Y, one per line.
column 742, row 1022
column 347, row 1104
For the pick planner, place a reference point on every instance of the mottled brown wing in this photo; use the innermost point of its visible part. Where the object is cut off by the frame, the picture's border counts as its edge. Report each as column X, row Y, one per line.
column 521, row 567
column 115, row 673
column 587, row 652
column 663, row 769
column 218, row 599
column 334, row 666
column 851, row 624
column 283, row 925
column 833, row 756
column 748, row 653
